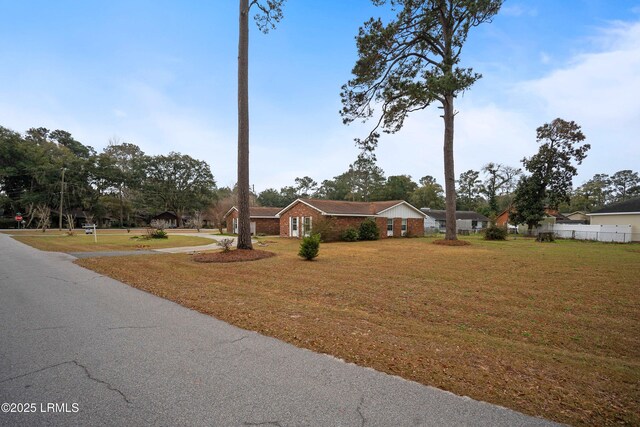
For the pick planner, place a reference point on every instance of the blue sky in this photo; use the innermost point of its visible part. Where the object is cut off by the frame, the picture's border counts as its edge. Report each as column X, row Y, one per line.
column 162, row 75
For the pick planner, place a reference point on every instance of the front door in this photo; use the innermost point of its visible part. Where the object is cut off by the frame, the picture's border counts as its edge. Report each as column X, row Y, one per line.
column 293, row 232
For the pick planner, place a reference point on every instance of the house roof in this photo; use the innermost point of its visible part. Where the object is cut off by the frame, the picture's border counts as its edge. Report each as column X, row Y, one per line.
column 626, row 207
column 259, row 211
column 165, row 213
column 547, row 211
column 262, row 211
column 347, row 208
column 438, row 214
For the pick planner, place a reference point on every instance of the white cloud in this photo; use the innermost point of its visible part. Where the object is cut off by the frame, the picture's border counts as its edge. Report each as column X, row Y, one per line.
column 518, row 10
column 598, row 90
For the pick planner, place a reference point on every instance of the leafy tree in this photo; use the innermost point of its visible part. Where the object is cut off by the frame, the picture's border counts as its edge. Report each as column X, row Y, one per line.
column 367, row 177
column 551, row 169
column 178, row 183
column 593, row 194
column 428, row 195
column 468, row 190
column 338, row 188
column 411, row 62
column 498, row 177
column 625, row 184
column 288, row 194
column 31, row 169
column 122, row 169
column 305, row 186
column 399, row 187
column 269, row 13
column 270, row 197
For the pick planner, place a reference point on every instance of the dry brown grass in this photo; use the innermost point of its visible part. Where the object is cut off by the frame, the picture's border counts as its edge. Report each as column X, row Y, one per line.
column 106, row 242
column 547, row 329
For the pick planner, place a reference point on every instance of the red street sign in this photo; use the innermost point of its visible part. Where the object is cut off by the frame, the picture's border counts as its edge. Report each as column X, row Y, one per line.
column 18, row 218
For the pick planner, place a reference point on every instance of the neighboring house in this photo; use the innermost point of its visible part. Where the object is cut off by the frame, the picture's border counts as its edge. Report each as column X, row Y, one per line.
column 622, row 213
column 394, row 218
column 264, row 220
column 465, row 220
column 169, row 217
column 551, row 216
column 580, row 216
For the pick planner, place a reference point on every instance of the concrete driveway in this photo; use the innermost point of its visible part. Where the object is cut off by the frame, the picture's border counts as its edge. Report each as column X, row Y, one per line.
column 82, row 349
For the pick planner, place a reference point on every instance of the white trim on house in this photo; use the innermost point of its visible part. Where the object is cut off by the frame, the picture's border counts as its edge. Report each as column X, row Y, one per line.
column 403, row 203
column 614, row 213
column 229, row 211
column 286, row 208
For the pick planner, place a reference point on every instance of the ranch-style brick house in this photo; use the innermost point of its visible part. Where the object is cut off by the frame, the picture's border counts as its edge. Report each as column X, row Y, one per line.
column 264, row 220
column 394, row 218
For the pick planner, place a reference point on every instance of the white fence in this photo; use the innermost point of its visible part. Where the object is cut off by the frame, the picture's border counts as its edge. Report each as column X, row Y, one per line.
column 601, row 233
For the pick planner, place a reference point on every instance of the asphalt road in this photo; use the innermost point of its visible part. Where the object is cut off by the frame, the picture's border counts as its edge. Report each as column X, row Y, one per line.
column 109, row 354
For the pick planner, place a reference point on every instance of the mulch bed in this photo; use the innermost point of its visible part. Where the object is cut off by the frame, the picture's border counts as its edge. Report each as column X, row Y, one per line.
column 236, row 255
column 444, row 242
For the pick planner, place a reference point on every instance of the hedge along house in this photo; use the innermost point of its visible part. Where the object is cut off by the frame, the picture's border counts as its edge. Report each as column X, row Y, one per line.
column 394, row 218
column 263, row 220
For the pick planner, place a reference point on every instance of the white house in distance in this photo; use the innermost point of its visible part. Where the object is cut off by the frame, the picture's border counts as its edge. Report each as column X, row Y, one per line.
column 465, row 220
column 622, row 213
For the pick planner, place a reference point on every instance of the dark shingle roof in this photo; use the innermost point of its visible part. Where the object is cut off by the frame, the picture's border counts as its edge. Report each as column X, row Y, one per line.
column 631, row 205
column 263, row 211
column 438, row 214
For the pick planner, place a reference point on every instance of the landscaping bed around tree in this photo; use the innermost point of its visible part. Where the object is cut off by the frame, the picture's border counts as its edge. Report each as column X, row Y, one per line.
column 550, row 330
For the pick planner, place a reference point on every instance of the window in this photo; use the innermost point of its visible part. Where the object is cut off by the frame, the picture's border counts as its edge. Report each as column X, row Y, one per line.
column 389, row 224
column 404, row 224
column 474, row 224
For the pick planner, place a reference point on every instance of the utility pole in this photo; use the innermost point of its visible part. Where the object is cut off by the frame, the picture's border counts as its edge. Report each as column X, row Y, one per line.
column 61, row 199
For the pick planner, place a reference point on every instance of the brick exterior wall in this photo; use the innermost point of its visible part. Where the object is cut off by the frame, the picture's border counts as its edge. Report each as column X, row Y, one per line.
column 270, row 226
column 397, row 227
column 415, row 227
column 298, row 210
column 301, row 210
column 382, row 227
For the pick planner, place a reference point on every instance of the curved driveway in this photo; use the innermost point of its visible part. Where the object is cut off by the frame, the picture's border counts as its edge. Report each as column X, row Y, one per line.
column 89, row 350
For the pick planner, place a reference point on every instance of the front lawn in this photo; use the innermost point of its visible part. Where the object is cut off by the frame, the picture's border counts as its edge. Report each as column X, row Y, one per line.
column 547, row 329
column 106, row 242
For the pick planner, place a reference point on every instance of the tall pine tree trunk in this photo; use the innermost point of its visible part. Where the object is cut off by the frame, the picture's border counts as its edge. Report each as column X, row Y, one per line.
column 449, row 173
column 244, row 226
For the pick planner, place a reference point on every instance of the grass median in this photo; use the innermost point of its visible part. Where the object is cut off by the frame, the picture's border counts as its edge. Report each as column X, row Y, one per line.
column 547, row 329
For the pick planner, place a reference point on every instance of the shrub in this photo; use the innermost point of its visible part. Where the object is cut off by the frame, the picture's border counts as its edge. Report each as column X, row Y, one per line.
column 350, row 235
column 494, row 232
column 326, row 228
column 159, row 234
column 225, row 244
column 369, row 230
column 309, row 247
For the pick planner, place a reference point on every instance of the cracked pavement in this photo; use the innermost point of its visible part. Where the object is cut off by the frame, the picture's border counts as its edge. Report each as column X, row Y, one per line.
column 127, row 357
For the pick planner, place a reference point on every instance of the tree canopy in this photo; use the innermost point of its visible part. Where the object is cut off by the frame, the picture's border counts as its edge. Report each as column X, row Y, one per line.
column 406, row 64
